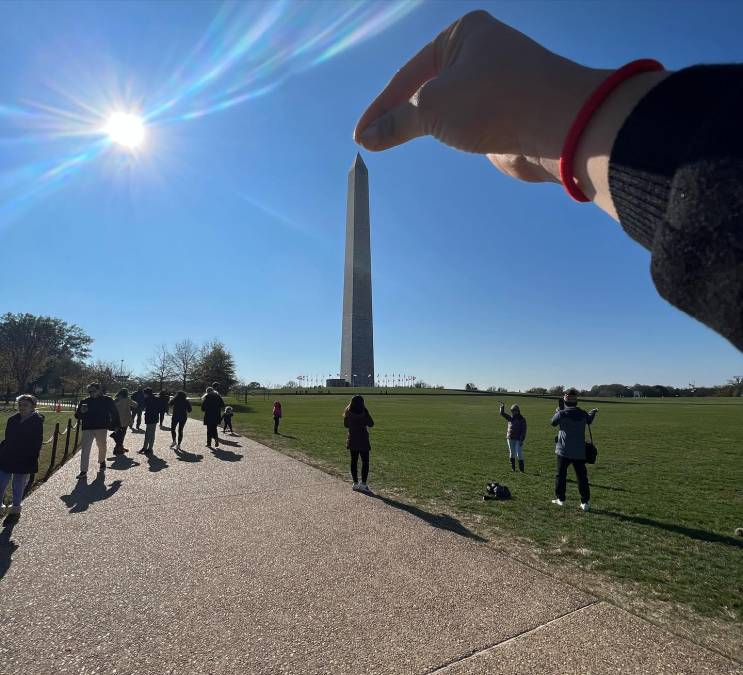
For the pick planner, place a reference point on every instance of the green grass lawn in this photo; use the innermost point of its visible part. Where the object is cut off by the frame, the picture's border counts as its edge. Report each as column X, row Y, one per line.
column 667, row 491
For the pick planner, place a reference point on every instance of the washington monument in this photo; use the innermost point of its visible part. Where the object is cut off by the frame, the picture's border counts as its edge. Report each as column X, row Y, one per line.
column 357, row 343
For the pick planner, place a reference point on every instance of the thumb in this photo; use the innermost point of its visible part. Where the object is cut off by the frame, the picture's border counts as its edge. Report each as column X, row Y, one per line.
column 395, row 127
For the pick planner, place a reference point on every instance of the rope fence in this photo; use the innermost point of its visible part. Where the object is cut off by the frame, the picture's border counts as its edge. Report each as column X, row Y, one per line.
column 54, row 440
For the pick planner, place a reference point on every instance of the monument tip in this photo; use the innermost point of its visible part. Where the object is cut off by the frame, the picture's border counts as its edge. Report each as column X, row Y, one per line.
column 358, row 162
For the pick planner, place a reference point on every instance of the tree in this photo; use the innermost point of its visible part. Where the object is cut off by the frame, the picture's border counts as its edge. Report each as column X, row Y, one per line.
column 28, row 342
column 253, row 385
column 736, row 385
column 104, row 373
column 215, row 364
column 470, row 386
column 161, row 365
column 184, row 357
column 558, row 390
column 537, row 390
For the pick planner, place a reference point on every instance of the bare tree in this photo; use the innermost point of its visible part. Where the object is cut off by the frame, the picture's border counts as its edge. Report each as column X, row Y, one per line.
column 184, row 357
column 161, row 365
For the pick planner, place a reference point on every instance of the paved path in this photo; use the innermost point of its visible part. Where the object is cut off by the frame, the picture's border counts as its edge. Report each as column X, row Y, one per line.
column 245, row 561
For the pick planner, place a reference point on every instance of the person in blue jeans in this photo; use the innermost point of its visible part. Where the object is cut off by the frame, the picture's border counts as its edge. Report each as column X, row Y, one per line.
column 570, row 447
column 19, row 452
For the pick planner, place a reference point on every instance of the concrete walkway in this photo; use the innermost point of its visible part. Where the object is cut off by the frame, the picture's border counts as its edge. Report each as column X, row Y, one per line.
column 245, row 561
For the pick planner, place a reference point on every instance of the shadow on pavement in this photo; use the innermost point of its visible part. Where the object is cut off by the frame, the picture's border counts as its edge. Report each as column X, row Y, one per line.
column 691, row 532
column 439, row 520
column 226, row 455
column 122, row 463
column 7, row 547
column 232, row 444
column 84, row 494
column 156, row 463
column 184, row 456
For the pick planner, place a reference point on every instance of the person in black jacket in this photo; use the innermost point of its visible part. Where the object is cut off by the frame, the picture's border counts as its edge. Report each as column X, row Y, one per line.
column 152, row 409
column 662, row 154
column 212, row 405
column 19, row 452
column 138, row 398
column 99, row 416
column 181, row 407
column 164, row 400
column 357, row 420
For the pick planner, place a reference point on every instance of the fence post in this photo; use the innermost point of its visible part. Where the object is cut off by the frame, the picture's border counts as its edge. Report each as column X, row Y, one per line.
column 67, row 440
column 54, row 450
column 77, row 433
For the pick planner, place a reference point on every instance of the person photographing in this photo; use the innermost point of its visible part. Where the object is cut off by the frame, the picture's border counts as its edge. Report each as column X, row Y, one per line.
column 515, row 435
column 570, row 447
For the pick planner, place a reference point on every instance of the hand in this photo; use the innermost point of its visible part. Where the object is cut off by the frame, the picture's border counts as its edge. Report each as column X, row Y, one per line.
column 481, row 86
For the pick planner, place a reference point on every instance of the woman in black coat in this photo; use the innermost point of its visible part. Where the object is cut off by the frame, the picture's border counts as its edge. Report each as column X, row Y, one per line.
column 212, row 405
column 357, row 420
column 19, row 452
column 181, row 407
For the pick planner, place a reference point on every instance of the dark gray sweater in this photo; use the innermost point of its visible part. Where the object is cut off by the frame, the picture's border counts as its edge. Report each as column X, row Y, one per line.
column 676, row 179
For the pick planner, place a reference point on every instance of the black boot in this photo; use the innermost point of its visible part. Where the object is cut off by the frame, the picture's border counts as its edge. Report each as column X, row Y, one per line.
column 513, row 464
column 521, row 465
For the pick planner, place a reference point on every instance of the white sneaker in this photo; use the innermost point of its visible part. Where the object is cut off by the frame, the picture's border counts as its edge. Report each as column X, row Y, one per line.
column 585, row 507
column 4, row 509
column 356, row 487
column 559, row 502
column 364, row 487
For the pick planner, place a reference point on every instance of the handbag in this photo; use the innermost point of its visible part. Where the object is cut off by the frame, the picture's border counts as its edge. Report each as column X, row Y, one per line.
column 591, row 450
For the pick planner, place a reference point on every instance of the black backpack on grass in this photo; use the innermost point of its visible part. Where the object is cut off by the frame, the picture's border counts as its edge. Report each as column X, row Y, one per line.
column 497, row 491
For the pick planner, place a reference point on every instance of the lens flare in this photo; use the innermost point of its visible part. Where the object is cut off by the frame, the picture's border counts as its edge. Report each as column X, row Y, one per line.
column 247, row 51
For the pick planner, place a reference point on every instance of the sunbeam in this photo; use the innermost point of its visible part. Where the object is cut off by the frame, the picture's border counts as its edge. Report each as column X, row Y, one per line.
column 247, row 51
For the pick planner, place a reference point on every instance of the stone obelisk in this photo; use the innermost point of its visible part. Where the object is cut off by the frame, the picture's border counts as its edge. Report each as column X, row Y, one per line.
column 357, row 343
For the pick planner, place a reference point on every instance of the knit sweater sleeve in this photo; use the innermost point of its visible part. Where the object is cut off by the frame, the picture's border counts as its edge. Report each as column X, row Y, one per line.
column 676, row 180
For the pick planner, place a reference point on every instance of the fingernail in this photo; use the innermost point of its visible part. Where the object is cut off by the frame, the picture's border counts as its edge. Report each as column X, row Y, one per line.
column 371, row 135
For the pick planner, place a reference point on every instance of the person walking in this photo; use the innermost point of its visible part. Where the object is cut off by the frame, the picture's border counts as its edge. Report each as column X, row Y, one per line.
column 19, row 452
column 570, row 447
column 139, row 398
column 276, row 416
column 152, row 408
column 164, row 399
column 227, row 419
column 515, row 435
column 98, row 415
column 124, row 406
column 357, row 420
column 212, row 406
column 181, row 406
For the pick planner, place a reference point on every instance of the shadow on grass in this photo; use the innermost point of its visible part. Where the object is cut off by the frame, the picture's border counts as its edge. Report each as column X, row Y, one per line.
column 226, row 455
column 294, row 438
column 184, row 456
column 598, row 485
column 242, row 408
column 84, row 494
column 691, row 532
column 7, row 547
column 440, row 520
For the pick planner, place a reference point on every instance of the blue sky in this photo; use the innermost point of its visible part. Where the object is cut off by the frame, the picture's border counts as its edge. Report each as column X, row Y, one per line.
column 229, row 223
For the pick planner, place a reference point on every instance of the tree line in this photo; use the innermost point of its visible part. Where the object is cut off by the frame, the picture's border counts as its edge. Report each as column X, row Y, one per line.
column 45, row 354
column 733, row 387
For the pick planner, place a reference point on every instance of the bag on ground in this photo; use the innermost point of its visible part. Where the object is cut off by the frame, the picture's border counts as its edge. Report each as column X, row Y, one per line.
column 497, row 491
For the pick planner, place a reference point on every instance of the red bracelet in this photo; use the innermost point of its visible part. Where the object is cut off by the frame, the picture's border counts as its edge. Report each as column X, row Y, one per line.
column 567, row 157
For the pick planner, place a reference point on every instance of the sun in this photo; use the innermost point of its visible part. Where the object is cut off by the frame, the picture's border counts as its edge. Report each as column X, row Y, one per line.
column 126, row 129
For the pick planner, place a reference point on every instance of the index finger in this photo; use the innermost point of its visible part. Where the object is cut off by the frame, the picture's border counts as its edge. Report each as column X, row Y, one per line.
column 416, row 72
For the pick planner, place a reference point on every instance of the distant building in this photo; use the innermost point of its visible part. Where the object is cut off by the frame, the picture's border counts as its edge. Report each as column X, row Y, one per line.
column 337, row 382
